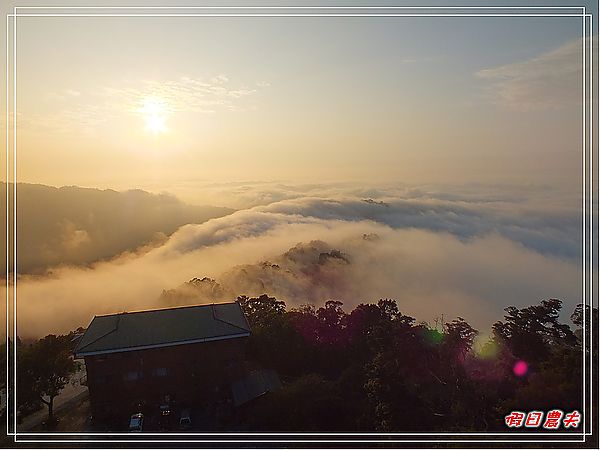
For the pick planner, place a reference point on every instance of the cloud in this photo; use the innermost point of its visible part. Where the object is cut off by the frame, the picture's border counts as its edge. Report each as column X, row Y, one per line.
column 80, row 109
column 310, row 250
column 542, row 230
column 542, row 218
column 551, row 80
column 185, row 94
column 81, row 226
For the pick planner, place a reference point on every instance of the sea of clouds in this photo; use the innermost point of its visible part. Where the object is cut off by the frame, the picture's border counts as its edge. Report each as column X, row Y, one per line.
column 465, row 251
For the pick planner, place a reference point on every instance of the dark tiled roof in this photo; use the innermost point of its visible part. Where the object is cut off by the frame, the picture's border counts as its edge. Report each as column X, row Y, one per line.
column 162, row 328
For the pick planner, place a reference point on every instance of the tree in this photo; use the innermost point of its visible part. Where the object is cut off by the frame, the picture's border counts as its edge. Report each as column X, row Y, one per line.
column 459, row 337
column 261, row 311
column 389, row 308
column 331, row 323
column 3, row 360
column 274, row 341
column 44, row 368
column 531, row 333
column 309, row 403
column 585, row 318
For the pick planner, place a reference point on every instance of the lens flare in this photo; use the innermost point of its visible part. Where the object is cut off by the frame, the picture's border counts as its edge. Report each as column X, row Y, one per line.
column 433, row 337
column 520, row 368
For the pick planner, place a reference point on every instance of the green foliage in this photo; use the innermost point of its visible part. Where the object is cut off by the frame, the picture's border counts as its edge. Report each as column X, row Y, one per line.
column 530, row 333
column 261, row 311
column 376, row 369
column 43, row 370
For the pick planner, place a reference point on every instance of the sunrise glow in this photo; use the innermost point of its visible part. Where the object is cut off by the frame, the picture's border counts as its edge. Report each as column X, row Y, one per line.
column 154, row 111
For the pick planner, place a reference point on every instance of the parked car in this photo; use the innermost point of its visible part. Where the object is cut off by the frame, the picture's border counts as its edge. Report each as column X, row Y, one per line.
column 185, row 420
column 136, row 423
column 165, row 417
column 165, row 410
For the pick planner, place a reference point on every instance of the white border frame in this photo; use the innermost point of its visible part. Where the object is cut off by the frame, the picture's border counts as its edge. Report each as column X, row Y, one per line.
column 587, row 25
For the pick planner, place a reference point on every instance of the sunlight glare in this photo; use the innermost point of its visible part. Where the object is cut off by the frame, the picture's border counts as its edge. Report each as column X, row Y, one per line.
column 155, row 114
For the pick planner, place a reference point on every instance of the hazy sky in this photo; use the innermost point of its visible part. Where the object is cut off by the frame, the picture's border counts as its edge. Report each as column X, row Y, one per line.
column 151, row 102
column 298, row 122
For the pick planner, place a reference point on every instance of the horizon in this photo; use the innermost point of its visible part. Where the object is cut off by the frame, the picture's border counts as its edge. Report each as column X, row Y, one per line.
column 469, row 136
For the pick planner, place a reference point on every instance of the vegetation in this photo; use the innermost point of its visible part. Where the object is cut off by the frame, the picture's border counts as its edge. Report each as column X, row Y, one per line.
column 378, row 369
column 44, row 368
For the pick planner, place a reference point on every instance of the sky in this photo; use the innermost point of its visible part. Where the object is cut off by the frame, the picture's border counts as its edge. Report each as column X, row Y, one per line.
column 151, row 102
column 441, row 155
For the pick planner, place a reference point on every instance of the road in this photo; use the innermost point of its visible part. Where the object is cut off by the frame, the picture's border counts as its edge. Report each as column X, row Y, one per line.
column 72, row 393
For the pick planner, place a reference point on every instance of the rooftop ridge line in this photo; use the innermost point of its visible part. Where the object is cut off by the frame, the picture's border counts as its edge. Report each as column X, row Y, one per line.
column 115, row 328
column 165, row 309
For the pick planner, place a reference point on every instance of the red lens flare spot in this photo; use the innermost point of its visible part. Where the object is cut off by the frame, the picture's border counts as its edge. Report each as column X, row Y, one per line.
column 520, row 368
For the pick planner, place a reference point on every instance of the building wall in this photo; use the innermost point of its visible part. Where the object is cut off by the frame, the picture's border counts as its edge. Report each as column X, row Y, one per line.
column 190, row 374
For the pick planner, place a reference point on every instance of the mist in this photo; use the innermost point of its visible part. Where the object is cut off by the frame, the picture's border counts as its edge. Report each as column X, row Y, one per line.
column 80, row 226
column 452, row 256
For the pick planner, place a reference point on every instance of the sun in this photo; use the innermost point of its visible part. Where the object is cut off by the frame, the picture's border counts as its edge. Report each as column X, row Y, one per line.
column 154, row 111
column 156, row 124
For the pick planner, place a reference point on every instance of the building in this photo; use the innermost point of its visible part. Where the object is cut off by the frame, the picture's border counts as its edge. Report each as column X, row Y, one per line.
column 190, row 355
column 254, row 385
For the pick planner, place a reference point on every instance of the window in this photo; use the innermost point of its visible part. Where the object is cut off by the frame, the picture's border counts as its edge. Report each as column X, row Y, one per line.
column 132, row 376
column 160, row 372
